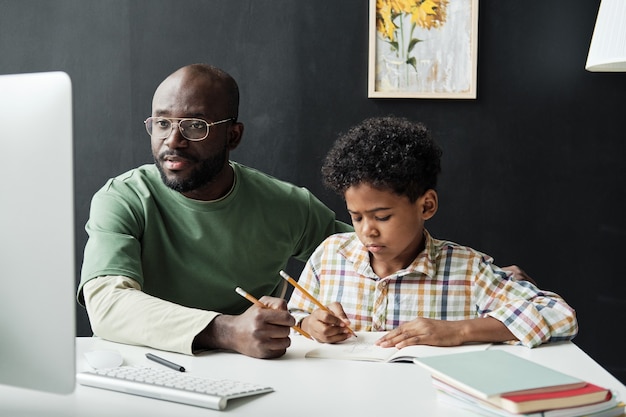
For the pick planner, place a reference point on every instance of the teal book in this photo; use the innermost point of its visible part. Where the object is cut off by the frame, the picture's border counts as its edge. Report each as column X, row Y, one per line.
column 490, row 374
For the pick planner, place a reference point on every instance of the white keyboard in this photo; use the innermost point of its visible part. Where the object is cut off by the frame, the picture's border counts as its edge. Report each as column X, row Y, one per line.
column 165, row 384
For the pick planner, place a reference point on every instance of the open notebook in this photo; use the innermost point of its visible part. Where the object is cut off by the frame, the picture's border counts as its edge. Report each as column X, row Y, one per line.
column 363, row 348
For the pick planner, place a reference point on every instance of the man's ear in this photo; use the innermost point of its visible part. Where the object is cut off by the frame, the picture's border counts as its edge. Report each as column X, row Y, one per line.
column 235, row 133
column 429, row 204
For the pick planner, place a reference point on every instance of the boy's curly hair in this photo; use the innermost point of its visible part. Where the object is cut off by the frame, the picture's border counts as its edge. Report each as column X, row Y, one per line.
column 385, row 152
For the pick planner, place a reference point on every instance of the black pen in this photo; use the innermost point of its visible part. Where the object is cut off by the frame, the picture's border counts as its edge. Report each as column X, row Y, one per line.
column 165, row 362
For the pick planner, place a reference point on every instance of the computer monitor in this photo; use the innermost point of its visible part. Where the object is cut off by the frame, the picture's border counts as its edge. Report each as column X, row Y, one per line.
column 37, row 269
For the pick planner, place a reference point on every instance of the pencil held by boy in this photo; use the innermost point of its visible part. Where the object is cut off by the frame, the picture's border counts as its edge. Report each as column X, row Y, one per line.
column 391, row 275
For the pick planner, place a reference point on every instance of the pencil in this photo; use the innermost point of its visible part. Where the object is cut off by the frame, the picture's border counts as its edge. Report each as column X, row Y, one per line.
column 309, row 296
column 253, row 300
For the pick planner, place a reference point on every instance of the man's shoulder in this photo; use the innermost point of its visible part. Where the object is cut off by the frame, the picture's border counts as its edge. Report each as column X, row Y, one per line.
column 266, row 184
column 255, row 174
column 142, row 175
column 136, row 183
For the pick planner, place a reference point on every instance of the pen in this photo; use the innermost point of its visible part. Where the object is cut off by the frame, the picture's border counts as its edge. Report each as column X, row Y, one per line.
column 309, row 296
column 253, row 300
column 165, row 362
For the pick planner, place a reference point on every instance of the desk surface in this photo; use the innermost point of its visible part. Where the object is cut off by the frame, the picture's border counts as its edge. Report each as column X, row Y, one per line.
column 303, row 387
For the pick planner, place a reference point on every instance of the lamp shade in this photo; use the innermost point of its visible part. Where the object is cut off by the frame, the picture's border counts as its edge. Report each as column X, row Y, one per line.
column 607, row 52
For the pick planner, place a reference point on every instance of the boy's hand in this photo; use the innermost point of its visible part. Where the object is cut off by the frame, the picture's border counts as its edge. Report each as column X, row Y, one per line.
column 326, row 327
column 422, row 331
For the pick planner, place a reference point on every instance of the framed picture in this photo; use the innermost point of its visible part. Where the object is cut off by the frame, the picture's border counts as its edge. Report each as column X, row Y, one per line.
column 423, row 48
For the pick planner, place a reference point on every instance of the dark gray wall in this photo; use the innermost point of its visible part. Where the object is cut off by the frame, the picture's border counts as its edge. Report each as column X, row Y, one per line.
column 533, row 168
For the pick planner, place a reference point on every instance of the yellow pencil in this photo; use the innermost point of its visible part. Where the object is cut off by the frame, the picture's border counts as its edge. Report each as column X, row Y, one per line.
column 309, row 296
column 253, row 300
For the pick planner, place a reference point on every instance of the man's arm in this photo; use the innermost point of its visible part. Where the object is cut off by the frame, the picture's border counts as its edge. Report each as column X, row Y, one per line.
column 119, row 311
column 518, row 274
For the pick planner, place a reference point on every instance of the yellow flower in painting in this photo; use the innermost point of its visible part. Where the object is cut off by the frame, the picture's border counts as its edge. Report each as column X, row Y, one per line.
column 384, row 19
column 426, row 14
column 402, row 6
column 429, row 13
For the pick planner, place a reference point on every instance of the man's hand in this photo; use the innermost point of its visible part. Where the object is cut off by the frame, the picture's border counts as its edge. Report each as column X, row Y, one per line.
column 326, row 327
column 258, row 332
column 518, row 274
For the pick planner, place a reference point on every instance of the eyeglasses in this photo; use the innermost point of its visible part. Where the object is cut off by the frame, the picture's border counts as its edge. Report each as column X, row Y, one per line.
column 191, row 129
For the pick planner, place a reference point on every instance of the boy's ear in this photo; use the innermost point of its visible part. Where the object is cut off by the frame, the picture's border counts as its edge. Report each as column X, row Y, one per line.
column 430, row 203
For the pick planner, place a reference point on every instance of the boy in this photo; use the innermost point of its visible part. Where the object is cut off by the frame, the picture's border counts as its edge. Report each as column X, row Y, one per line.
column 391, row 275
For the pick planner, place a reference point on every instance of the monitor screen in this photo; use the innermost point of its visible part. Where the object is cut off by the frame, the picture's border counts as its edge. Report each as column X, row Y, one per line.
column 37, row 269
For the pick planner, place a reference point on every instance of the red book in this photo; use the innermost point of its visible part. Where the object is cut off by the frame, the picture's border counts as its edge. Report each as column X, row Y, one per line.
column 528, row 403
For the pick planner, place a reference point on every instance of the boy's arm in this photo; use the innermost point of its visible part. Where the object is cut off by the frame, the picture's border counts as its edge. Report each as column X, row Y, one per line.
column 299, row 306
column 423, row 331
column 541, row 319
column 321, row 325
column 534, row 316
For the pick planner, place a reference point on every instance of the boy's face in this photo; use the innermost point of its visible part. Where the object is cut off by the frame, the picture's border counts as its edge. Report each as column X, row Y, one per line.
column 389, row 225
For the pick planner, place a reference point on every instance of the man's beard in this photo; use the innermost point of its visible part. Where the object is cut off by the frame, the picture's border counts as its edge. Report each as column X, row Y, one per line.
column 200, row 176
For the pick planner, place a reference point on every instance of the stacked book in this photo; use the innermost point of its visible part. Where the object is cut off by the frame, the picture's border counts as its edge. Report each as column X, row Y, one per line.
column 498, row 383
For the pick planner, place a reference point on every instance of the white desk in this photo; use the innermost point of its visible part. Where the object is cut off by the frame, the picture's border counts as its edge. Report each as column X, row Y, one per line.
column 303, row 387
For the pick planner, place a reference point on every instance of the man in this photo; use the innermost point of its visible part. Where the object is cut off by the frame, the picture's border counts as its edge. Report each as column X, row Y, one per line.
column 169, row 242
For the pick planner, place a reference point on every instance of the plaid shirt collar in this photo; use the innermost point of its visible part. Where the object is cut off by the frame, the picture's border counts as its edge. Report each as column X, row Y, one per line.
column 355, row 252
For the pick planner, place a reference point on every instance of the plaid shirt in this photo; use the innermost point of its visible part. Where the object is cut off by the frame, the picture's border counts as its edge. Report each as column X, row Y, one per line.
column 446, row 282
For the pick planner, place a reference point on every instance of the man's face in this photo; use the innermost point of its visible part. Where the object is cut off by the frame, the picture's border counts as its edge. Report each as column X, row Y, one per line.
column 189, row 166
column 183, row 172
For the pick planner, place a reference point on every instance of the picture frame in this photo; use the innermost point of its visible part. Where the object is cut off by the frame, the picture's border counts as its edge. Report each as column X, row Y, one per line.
column 423, row 49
